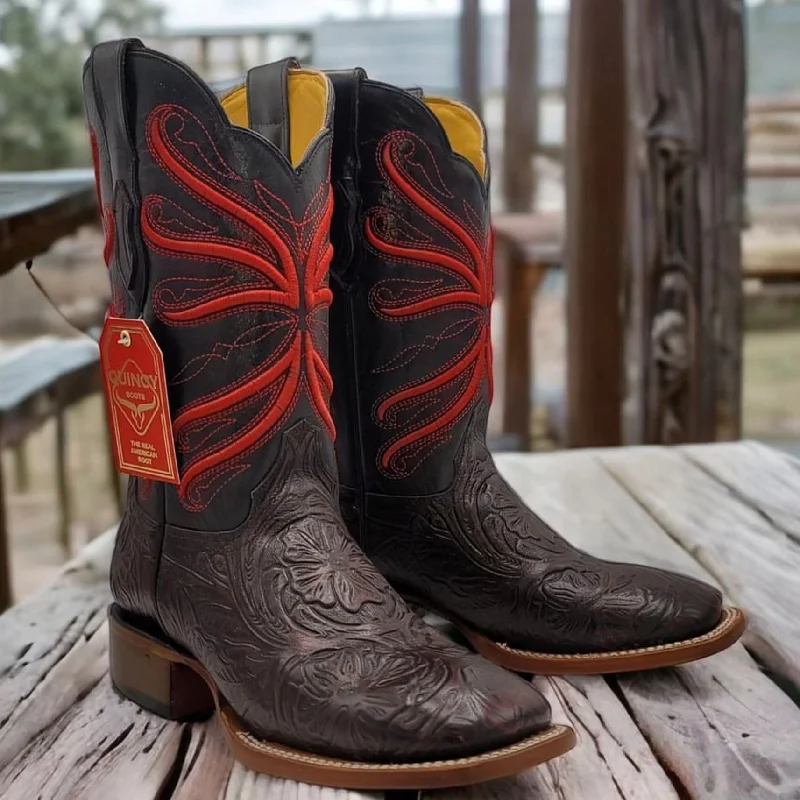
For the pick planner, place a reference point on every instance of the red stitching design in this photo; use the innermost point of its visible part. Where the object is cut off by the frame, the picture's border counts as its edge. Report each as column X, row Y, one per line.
column 273, row 263
column 424, row 411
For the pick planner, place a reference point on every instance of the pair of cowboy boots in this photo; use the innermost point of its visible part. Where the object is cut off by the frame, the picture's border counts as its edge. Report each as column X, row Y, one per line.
column 272, row 581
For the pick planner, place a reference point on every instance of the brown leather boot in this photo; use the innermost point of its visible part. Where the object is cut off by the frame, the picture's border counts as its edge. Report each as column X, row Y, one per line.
column 240, row 587
column 411, row 351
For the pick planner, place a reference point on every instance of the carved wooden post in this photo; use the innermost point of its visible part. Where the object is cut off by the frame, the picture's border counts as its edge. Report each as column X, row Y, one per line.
column 686, row 90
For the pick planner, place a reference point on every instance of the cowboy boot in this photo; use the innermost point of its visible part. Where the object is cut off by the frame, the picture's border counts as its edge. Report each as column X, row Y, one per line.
column 411, row 355
column 240, row 588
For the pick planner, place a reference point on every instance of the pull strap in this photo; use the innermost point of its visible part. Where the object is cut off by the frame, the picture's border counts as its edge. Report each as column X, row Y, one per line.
column 346, row 206
column 106, row 101
column 268, row 102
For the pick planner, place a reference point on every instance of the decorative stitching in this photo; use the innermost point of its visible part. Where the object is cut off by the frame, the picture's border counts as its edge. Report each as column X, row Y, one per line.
column 466, row 261
column 731, row 617
column 275, row 253
column 555, row 732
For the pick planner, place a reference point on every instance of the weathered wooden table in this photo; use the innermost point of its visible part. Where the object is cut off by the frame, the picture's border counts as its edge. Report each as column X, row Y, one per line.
column 724, row 728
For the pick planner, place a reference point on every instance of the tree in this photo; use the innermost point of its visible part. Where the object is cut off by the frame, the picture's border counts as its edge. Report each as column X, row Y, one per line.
column 42, row 46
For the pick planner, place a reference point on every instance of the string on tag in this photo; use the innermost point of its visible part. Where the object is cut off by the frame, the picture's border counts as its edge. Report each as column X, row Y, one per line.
column 40, row 287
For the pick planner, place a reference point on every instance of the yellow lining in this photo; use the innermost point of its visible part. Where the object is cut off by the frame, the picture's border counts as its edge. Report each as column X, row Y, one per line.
column 463, row 128
column 308, row 102
column 235, row 105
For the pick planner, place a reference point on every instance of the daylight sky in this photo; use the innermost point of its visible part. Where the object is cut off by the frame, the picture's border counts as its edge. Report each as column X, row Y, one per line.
column 191, row 13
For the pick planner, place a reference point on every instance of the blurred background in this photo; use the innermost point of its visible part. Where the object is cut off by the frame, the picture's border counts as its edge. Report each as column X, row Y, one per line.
column 58, row 487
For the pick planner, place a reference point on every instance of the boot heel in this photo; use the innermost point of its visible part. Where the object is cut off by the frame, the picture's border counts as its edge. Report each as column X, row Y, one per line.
column 142, row 671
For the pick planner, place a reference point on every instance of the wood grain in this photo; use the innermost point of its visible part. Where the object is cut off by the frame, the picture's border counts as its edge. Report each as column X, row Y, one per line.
column 719, row 728
column 611, row 761
column 762, row 477
column 596, row 132
column 53, row 649
column 686, row 90
column 102, row 747
column 722, row 728
column 207, row 765
column 757, row 563
column 706, row 722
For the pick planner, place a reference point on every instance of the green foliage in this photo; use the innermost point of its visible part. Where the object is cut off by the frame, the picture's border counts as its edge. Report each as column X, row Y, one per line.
column 43, row 44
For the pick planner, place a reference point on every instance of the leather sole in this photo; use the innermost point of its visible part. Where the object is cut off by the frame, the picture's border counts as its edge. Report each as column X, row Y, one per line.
column 727, row 632
column 166, row 681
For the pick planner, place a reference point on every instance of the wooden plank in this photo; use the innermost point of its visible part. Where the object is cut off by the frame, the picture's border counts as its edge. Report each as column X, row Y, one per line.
column 36, row 365
column 686, row 81
column 706, row 721
column 587, row 505
column 247, row 785
column 595, row 220
column 757, row 563
column 764, row 478
column 102, row 747
column 770, row 167
column 611, row 761
column 722, row 729
column 53, row 649
column 207, row 765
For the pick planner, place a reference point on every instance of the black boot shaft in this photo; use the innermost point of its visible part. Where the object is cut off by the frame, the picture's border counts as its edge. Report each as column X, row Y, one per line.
column 223, row 247
column 413, row 292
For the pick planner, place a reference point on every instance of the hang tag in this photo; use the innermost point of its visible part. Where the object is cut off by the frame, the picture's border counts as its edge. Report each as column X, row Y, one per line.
column 136, row 395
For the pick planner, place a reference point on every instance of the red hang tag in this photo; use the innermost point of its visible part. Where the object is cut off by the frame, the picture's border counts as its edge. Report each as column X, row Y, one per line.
column 136, row 394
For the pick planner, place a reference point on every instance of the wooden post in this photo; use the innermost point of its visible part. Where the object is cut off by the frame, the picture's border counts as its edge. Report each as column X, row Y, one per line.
column 5, row 554
column 205, row 60
column 524, row 280
column 62, row 478
column 686, row 74
column 521, row 127
column 113, row 475
column 595, row 224
column 469, row 54
column 22, row 476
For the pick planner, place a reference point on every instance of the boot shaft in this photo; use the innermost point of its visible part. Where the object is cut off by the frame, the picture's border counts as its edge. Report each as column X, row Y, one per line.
column 412, row 286
column 218, row 236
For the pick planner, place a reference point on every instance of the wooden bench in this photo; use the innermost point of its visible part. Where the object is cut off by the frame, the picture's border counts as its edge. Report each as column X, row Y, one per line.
column 723, row 728
column 40, row 380
column 527, row 246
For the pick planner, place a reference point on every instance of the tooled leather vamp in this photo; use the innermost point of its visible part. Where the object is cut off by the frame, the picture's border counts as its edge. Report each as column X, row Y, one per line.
column 512, row 577
column 312, row 647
